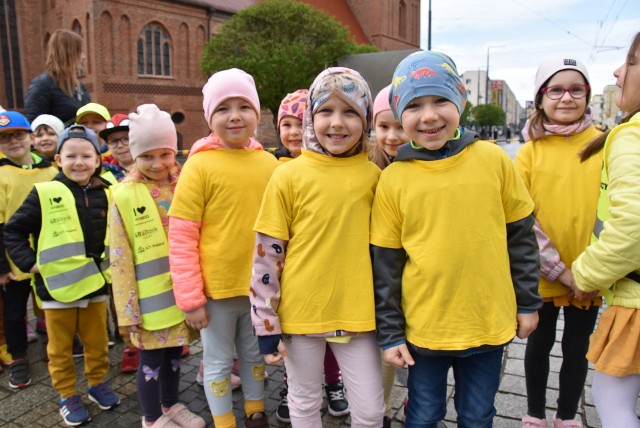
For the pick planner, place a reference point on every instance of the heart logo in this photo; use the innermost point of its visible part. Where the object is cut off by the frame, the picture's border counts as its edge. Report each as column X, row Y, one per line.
column 57, row 200
column 141, row 210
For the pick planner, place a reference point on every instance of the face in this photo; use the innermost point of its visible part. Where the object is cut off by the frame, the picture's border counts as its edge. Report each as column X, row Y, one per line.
column 430, row 121
column 566, row 110
column 78, row 160
column 628, row 80
column 45, row 141
column 118, row 143
column 338, row 126
column 389, row 133
column 156, row 164
column 93, row 121
column 16, row 146
column 291, row 134
column 234, row 122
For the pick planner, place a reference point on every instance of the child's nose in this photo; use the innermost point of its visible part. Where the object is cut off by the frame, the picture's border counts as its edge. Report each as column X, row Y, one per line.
column 429, row 114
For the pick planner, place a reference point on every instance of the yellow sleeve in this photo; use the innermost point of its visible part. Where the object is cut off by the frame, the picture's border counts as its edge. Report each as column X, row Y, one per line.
column 516, row 200
column 276, row 212
column 386, row 220
column 523, row 163
column 123, row 277
column 190, row 196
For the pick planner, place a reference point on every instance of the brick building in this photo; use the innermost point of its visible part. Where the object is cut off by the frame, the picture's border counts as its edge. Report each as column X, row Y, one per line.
column 148, row 51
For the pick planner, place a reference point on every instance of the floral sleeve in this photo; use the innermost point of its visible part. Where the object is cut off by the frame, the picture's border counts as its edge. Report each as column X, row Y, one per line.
column 550, row 264
column 268, row 262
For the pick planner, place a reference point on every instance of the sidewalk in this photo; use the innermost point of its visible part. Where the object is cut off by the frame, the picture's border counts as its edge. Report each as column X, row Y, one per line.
column 36, row 405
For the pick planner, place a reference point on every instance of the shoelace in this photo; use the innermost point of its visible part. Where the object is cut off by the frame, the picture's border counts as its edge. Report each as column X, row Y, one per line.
column 72, row 404
column 336, row 395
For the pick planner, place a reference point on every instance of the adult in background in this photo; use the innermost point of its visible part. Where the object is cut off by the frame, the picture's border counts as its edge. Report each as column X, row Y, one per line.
column 58, row 91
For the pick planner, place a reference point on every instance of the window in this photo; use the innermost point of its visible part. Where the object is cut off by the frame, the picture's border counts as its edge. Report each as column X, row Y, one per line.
column 10, row 49
column 468, row 81
column 154, row 51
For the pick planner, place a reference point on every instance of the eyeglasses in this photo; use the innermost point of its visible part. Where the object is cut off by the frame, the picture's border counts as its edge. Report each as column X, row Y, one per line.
column 18, row 135
column 575, row 91
column 122, row 140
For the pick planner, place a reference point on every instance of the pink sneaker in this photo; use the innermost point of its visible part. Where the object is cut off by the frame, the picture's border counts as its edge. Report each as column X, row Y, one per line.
column 183, row 417
column 565, row 423
column 236, row 382
column 531, row 422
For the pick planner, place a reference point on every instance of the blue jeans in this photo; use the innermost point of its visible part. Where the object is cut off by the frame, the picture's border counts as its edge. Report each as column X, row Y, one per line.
column 477, row 377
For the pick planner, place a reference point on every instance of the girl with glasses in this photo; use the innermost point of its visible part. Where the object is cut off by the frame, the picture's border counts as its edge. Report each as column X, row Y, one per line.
column 565, row 193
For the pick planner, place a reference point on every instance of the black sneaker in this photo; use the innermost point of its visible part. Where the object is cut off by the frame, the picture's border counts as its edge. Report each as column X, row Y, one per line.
column 386, row 422
column 77, row 348
column 19, row 373
column 282, row 412
column 338, row 405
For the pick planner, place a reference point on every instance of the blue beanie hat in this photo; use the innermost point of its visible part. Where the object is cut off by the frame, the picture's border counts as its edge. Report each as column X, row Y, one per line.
column 426, row 73
column 79, row 131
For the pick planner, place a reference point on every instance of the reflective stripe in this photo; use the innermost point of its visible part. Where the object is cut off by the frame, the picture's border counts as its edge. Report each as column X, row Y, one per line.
column 597, row 227
column 72, row 276
column 62, row 252
column 158, row 302
column 152, row 268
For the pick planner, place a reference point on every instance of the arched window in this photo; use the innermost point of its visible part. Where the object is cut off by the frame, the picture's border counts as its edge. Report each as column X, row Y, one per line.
column 154, row 51
column 76, row 27
column 403, row 19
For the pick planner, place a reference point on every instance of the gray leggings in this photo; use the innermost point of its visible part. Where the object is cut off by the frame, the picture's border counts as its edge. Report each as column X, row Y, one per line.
column 615, row 399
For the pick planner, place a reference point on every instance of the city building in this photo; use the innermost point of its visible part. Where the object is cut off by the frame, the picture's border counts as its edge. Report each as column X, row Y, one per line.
column 148, row 51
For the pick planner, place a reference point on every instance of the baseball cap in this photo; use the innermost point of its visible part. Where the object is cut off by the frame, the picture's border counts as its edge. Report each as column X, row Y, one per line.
column 79, row 131
column 119, row 122
column 13, row 121
column 95, row 108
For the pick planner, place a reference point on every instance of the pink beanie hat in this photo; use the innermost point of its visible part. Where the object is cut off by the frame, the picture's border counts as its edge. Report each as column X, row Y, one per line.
column 151, row 128
column 381, row 103
column 293, row 104
column 227, row 84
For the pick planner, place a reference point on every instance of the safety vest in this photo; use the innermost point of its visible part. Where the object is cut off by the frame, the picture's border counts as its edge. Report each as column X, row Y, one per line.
column 150, row 249
column 68, row 273
column 108, row 175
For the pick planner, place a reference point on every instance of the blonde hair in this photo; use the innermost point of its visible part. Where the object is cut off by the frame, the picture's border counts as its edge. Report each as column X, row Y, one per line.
column 379, row 157
column 64, row 59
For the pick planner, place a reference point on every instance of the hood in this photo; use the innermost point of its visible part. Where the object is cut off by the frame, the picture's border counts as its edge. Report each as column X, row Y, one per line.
column 451, row 148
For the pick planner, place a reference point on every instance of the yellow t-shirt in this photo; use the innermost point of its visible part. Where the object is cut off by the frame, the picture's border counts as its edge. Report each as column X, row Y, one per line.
column 15, row 185
column 223, row 189
column 321, row 205
column 449, row 216
column 565, row 192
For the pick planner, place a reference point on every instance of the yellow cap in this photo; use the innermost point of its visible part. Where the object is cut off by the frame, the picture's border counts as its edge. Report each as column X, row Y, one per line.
column 95, row 108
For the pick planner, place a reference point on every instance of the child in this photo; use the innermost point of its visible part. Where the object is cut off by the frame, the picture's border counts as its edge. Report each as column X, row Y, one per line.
column 94, row 116
column 455, row 257
column 67, row 218
column 559, row 128
column 211, row 242
column 612, row 262
column 145, row 301
column 289, row 127
column 312, row 281
column 116, row 135
column 389, row 136
column 46, row 129
column 389, row 133
column 19, row 171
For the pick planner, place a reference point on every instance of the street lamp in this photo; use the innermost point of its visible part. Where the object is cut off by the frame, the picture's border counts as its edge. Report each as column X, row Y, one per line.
column 486, row 87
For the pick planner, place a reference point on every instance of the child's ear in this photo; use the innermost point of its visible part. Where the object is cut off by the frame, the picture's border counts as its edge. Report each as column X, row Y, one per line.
column 57, row 158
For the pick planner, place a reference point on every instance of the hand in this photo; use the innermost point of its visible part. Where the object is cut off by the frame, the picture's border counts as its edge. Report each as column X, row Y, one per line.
column 527, row 323
column 566, row 278
column 278, row 357
column 5, row 278
column 398, row 356
column 198, row 318
column 133, row 328
column 34, row 269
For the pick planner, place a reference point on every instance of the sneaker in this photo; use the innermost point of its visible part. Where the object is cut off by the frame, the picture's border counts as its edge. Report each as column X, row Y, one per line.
column 257, row 420
column 386, row 422
column 41, row 326
column 200, row 375
column 32, row 336
column 185, row 351
column 531, row 422
column 19, row 374
column 184, row 418
column 104, row 396
column 130, row 360
column 337, row 402
column 77, row 348
column 162, row 422
column 111, row 338
column 73, row 411
column 565, row 423
column 236, row 382
column 5, row 357
column 282, row 412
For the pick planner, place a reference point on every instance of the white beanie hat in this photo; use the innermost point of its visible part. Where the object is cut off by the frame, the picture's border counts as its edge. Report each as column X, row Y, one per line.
column 49, row 120
column 151, row 128
column 550, row 67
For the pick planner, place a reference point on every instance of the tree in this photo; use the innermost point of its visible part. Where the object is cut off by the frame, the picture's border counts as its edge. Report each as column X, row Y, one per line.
column 465, row 118
column 283, row 44
column 488, row 115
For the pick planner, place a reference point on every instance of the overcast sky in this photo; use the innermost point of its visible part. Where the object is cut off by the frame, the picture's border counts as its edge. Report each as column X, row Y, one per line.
column 598, row 32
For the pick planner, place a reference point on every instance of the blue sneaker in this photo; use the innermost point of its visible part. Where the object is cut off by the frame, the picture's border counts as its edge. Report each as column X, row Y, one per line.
column 73, row 411
column 104, row 396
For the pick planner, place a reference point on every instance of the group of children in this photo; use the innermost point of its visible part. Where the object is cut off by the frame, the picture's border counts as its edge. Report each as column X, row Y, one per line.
column 319, row 259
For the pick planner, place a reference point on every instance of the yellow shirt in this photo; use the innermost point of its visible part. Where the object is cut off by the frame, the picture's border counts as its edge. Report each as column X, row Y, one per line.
column 565, row 192
column 321, row 205
column 449, row 216
column 223, row 190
